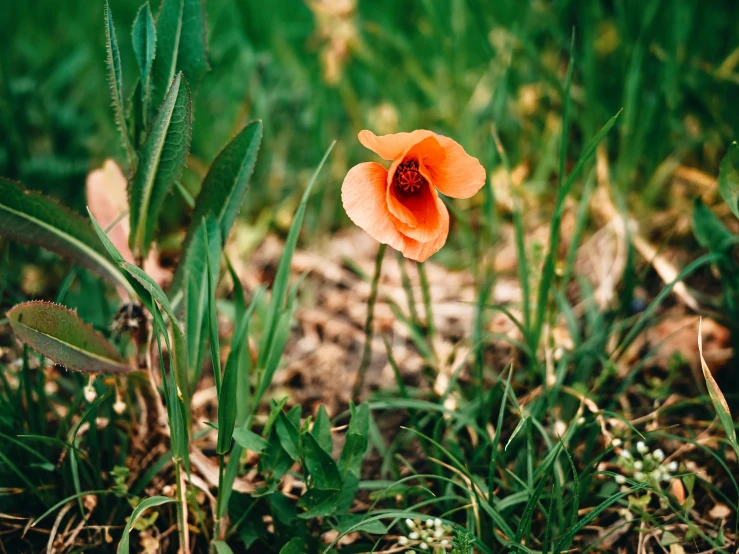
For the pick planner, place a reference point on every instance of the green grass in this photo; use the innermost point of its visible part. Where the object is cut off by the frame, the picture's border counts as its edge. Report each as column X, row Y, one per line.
column 528, row 458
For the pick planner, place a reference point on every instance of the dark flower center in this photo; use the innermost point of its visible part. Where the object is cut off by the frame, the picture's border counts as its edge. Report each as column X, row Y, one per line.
column 408, row 179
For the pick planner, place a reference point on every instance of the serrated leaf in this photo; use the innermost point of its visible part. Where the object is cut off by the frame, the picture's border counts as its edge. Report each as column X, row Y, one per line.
column 144, row 37
column 115, row 81
column 319, row 464
column 30, row 218
column 161, row 160
column 250, row 440
column 728, row 178
column 181, row 45
column 123, row 546
column 717, row 397
column 223, row 191
column 59, row 334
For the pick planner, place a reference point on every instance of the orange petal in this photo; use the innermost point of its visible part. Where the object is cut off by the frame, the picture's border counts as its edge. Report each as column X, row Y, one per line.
column 363, row 195
column 458, row 174
column 392, row 146
column 421, row 251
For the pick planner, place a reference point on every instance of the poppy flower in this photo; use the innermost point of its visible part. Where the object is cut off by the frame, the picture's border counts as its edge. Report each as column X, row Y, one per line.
column 400, row 206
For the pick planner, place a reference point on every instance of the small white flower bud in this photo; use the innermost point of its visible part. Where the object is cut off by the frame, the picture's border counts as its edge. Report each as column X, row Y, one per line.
column 429, row 523
column 616, row 443
column 423, row 546
column 402, row 541
column 410, row 523
column 638, row 465
column 437, row 522
column 641, row 447
column 119, row 407
column 444, row 542
column 413, row 536
column 90, row 394
column 658, row 455
column 625, row 454
column 672, row 466
column 581, row 420
column 639, row 476
column 438, row 533
column 620, row 479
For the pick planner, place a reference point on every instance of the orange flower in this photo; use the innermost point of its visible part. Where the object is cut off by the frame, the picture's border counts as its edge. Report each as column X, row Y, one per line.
column 401, row 206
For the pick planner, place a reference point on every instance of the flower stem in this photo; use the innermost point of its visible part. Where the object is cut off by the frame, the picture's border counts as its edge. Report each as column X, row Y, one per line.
column 368, row 325
column 426, row 299
column 219, row 500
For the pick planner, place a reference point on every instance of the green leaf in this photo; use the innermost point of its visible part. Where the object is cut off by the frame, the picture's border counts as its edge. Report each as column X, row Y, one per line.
column 123, row 546
column 322, row 429
column 295, row 546
column 728, row 178
column 709, row 231
column 222, row 548
column 319, row 503
column 360, row 523
column 320, row 465
column 161, row 160
column 289, row 435
column 250, row 440
column 528, row 511
column 30, row 218
column 516, row 431
column 180, row 45
column 206, row 246
column 227, row 397
column 717, row 397
column 279, row 289
column 144, row 37
column 59, row 334
column 222, row 192
column 115, row 81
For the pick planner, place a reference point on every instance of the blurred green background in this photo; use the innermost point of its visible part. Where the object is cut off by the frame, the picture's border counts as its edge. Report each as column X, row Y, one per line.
column 318, row 71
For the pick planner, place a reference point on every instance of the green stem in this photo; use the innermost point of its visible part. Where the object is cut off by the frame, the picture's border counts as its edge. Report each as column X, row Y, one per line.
column 426, row 300
column 368, row 327
column 219, row 500
column 181, row 520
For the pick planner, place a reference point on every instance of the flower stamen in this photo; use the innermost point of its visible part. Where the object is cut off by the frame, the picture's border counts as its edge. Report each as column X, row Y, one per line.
column 408, row 178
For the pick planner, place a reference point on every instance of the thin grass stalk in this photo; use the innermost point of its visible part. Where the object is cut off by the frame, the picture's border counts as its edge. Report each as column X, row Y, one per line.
column 425, row 290
column 368, row 325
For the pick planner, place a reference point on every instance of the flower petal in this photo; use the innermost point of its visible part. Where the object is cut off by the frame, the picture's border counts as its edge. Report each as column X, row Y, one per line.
column 364, row 197
column 421, row 251
column 458, row 174
column 392, row 146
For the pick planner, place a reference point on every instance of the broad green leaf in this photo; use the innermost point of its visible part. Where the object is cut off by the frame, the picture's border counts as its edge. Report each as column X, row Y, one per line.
column 144, row 47
column 59, row 334
column 222, row 192
column 222, row 548
column 320, row 465
column 115, row 81
column 161, row 160
column 709, row 231
column 123, row 546
column 295, row 546
column 30, row 218
column 717, row 397
column 181, row 45
column 227, row 397
column 289, row 435
column 322, row 429
column 250, row 440
column 319, row 503
column 728, row 178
